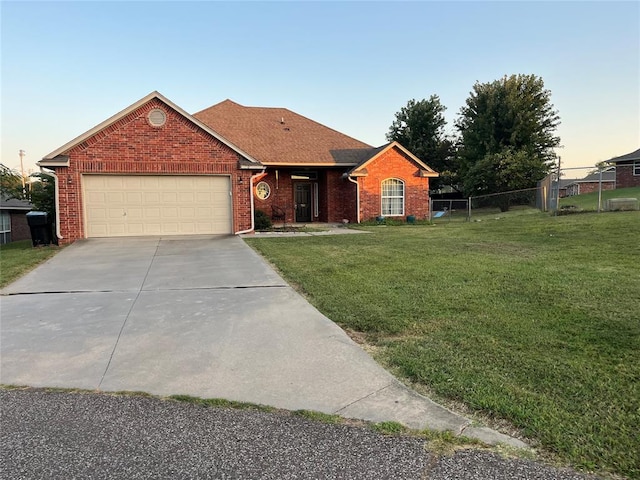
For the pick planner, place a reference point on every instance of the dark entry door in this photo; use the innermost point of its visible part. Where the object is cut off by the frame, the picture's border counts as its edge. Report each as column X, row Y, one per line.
column 303, row 202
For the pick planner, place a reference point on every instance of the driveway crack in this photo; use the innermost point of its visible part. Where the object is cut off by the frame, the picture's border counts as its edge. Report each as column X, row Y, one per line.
column 177, row 289
column 126, row 318
column 362, row 398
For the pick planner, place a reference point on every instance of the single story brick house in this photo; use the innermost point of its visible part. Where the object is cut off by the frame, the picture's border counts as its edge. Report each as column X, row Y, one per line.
column 154, row 169
column 627, row 169
column 13, row 219
column 591, row 183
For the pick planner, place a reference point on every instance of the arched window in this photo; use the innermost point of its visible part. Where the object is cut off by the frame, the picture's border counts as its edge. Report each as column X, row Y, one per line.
column 392, row 197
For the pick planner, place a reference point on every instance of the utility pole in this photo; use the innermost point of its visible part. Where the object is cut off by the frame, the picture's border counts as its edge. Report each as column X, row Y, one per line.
column 22, row 153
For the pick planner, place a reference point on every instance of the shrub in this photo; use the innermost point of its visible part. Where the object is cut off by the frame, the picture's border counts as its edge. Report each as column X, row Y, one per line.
column 262, row 220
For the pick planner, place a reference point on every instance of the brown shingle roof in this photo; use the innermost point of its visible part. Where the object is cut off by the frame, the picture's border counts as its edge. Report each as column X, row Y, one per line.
column 278, row 136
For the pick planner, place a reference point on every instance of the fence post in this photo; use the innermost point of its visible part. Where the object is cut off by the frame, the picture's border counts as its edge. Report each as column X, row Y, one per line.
column 469, row 210
column 600, row 190
column 430, row 209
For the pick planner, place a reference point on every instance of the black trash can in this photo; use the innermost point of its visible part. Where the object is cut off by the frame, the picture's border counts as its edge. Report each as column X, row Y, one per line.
column 40, row 226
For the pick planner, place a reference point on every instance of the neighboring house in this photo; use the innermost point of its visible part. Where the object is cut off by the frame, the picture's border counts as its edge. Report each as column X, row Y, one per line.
column 13, row 220
column 563, row 184
column 154, row 169
column 627, row 169
column 591, row 183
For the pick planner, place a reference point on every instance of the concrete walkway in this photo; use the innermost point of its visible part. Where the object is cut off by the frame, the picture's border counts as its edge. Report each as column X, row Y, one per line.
column 203, row 316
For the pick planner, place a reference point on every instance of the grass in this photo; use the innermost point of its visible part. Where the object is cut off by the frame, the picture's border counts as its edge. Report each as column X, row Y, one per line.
column 18, row 258
column 315, row 416
column 527, row 318
column 220, row 403
column 589, row 201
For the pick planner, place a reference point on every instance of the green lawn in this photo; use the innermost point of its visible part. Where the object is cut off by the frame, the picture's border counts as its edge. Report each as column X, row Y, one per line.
column 530, row 318
column 589, row 201
column 17, row 258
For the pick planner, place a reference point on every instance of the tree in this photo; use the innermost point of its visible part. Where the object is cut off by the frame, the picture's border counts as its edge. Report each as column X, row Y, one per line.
column 507, row 135
column 10, row 183
column 43, row 194
column 601, row 166
column 510, row 170
column 419, row 127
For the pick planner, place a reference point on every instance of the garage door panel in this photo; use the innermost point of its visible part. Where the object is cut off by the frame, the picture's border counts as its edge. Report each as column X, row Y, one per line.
column 115, row 197
column 149, row 228
column 115, row 213
column 135, row 213
column 133, row 198
column 131, row 183
column 148, row 183
column 169, row 198
column 150, row 197
column 156, row 205
column 203, row 197
column 186, row 197
column 151, row 213
column 187, row 213
column 96, row 198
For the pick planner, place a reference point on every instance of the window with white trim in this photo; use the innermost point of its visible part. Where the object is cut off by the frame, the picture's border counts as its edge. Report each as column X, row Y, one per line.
column 5, row 227
column 392, row 197
column 636, row 167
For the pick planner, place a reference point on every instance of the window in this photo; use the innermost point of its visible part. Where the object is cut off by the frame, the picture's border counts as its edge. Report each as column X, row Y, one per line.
column 5, row 227
column 393, row 197
column 263, row 190
column 636, row 167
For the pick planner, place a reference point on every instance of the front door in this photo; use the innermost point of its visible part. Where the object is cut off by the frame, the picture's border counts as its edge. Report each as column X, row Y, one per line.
column 303, row 202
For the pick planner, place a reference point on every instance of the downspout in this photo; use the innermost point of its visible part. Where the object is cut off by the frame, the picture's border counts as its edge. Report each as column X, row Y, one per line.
column 253, row 221
column 357, row 197
column 56, row 200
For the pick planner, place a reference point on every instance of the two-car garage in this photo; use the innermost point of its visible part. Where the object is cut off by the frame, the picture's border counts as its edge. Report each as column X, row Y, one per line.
column 135, row 205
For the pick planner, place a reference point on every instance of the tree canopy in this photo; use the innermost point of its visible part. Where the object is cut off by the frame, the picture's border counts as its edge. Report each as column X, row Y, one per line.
column 40, row 191
column 420, row 127
column 42, row 194
column 10, row 183
column 507, row 135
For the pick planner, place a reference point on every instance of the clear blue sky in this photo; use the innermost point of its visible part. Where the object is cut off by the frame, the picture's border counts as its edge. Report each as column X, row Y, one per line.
column 67, row 66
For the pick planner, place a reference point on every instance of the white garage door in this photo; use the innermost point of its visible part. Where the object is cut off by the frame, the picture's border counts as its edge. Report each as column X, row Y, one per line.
column 131, row 205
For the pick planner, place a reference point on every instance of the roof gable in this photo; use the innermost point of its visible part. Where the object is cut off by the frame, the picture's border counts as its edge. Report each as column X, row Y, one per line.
column 278, row 136
column 360, row 169
column 58, row 157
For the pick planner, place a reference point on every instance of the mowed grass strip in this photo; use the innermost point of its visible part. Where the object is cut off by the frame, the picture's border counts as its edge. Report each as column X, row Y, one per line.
column 17, row 258
column 530, row 318
column 589, row 201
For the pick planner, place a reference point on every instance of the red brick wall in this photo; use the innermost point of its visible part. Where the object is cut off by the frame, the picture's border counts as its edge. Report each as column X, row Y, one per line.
column 281, row 194
column 336, row 196
column 588, row 187
column 393, row 164
column 132, row 145
column 341, row 204
column 625, row 177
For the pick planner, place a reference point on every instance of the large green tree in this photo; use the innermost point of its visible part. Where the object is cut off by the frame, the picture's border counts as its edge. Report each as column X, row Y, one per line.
column 420, row 127
column 507, row 135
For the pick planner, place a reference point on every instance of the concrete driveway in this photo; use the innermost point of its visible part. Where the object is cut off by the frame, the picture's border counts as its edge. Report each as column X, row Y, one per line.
column 203, row 316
